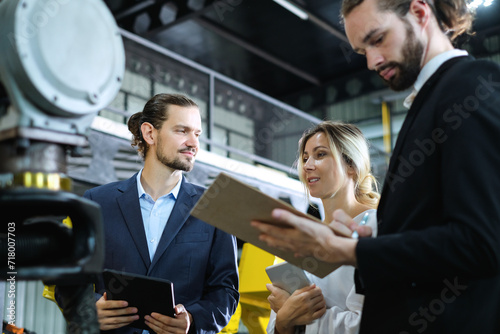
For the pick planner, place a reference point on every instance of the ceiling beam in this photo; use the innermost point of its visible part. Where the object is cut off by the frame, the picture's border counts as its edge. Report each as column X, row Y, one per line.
column 135, row 9
column 223, row 32
column 189, row 15
column 328, row 27
column 321, row 23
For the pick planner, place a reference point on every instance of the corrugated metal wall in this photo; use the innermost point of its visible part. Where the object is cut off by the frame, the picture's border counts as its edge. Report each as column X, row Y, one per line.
column 33, row 311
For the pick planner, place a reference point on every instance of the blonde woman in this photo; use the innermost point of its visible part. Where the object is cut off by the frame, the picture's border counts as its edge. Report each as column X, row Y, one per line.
column 334, row 166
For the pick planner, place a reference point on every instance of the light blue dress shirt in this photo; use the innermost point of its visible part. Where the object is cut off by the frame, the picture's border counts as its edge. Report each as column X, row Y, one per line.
column 155, row 215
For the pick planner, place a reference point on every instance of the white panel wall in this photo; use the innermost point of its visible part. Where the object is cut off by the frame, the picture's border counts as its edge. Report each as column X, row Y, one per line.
column 33, row 311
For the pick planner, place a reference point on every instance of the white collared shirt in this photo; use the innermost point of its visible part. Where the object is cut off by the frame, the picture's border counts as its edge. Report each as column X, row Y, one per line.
column 344, row 305
column 429, row 69
column 155, row 214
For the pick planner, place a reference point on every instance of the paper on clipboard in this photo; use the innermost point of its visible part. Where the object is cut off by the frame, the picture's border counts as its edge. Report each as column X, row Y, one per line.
column 231, row 205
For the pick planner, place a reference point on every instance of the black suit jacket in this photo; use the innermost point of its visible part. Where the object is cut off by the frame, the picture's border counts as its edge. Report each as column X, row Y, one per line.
column 435, row 265
column 199, row 259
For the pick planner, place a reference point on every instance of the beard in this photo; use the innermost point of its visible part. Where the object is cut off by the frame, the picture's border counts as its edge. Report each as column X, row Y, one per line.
column 408, row 70
column 175, row 163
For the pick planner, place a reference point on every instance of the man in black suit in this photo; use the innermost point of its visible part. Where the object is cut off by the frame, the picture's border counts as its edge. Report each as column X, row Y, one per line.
column 435, row 265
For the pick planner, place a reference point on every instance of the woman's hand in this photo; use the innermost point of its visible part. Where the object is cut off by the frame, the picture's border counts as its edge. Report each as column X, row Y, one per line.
column 301, row 308
column 277, row 297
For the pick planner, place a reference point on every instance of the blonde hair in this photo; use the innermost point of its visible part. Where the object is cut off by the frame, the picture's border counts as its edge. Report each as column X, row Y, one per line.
column 349, row 148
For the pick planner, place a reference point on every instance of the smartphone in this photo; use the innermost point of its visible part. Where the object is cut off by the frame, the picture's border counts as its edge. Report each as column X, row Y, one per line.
column 287, row 276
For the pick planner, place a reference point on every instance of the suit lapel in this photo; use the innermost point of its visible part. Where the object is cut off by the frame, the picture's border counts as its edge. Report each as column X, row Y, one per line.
column 131, row 211
column 410, row 117
column 179, row 215
column 415, row 108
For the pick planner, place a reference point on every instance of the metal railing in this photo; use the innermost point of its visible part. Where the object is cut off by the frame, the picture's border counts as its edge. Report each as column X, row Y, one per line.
column 242, row 122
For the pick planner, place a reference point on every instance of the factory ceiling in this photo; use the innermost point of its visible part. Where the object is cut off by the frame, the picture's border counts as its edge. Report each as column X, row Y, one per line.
column 304, row 61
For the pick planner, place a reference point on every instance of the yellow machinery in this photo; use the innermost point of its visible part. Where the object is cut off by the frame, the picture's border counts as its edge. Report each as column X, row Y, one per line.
column 253, row 309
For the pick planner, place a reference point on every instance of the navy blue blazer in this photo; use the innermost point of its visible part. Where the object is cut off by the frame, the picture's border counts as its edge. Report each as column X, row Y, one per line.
column 199, row 259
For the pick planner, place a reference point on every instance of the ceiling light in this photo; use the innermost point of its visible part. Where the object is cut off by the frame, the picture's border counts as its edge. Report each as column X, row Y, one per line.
column 293, row 9
column 477, row 3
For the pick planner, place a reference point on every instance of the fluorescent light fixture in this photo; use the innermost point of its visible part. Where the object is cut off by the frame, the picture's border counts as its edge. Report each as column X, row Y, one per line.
column 474, row 4
column 292, row 8
column 477, row 3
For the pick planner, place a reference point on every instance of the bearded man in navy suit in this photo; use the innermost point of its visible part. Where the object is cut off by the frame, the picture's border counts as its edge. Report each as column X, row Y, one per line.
column 148, row 229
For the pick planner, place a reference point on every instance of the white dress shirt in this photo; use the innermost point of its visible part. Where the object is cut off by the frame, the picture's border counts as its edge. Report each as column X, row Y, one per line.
column 344, row 305
column 429, row 69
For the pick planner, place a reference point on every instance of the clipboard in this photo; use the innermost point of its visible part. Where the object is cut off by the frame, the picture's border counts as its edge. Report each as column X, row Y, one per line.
column 231, row 205
column 147, row 294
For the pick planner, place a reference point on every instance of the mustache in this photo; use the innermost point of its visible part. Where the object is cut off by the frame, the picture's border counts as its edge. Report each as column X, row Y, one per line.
column 188, row 149
column 387, row 65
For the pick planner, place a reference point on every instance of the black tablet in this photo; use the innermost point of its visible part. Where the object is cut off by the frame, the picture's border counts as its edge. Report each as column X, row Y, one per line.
column 147, row 294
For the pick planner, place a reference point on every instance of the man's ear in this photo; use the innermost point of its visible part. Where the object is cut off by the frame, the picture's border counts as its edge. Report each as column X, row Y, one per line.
column 148, row 133
column 421, row 10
